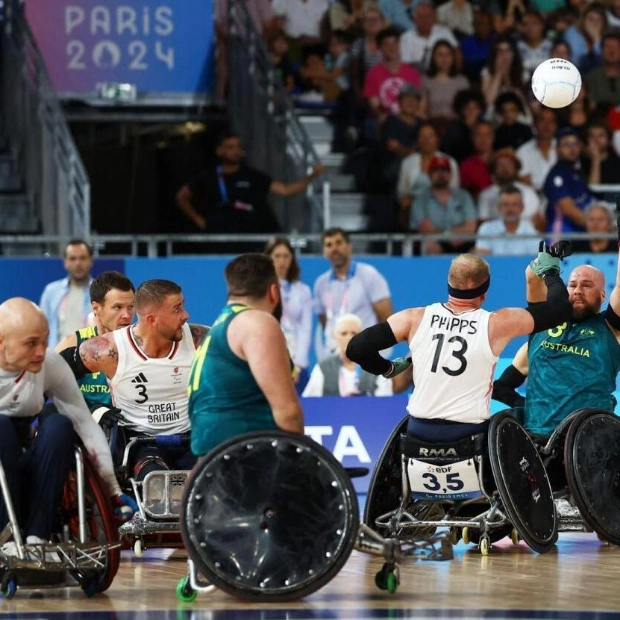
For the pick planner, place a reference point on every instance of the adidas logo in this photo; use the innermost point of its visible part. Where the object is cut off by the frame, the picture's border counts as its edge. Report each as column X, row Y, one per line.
column 140, row 379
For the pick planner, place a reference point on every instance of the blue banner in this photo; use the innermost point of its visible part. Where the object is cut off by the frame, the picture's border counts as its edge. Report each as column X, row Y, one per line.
column 354, row 429
column 157, row 45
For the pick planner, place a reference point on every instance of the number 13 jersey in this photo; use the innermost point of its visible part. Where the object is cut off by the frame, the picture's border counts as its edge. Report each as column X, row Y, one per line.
column 152, row 391
column 453, row 366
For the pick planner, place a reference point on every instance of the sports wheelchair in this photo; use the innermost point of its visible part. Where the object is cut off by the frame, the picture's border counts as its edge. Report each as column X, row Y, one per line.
column 85, row 544
column 582, row 457
column 158, row 495
column 482, row 488
column 270, row 516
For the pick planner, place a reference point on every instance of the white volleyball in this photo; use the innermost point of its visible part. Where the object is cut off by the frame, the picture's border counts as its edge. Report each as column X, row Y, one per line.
column 556, row 82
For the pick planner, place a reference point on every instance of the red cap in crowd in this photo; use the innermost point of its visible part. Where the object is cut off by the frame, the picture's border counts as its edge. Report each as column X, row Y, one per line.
column 439, row 163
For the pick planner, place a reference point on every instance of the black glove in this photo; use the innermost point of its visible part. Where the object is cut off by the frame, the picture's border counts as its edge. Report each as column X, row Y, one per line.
column 561, row 249
column 105, row 416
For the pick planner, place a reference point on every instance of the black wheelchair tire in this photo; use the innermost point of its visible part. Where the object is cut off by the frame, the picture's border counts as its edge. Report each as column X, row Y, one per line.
column 210, row 535
column 384, row 488
column 594, row 503
column 509, row 479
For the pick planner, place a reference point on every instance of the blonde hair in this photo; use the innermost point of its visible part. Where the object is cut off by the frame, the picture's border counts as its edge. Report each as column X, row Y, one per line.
column 348, row 317
column 468, row 271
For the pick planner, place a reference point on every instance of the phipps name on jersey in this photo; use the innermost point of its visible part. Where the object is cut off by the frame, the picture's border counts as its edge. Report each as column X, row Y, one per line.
column 454, row 324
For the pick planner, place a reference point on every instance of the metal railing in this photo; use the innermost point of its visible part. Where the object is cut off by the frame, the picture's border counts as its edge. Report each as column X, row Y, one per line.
column 56, row 181
column 153, row 246
column 261, row 112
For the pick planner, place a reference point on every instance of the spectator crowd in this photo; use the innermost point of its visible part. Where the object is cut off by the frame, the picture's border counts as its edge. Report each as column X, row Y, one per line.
column 437, row 96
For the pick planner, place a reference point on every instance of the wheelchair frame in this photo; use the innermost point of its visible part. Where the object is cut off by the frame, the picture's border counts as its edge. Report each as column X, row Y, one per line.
column 91, row 563
column 146, row 523
column 501, row 513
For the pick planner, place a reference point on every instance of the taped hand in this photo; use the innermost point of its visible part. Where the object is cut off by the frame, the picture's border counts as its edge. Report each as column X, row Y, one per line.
column 400, row 364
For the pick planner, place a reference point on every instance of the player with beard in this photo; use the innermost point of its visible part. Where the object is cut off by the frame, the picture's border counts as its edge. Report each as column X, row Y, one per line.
column 573, row 365
column 241, row 379
column 147, row 365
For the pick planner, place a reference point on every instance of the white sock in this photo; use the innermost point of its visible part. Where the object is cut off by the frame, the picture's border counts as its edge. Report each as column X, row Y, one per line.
column 34, row 540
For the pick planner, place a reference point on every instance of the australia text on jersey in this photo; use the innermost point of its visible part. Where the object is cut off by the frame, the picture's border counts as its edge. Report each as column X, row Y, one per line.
column 565, row 348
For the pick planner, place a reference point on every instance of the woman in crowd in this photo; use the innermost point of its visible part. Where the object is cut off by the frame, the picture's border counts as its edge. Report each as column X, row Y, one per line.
column 337, row 375
column 442, row 83
column 504, row 71
column 296, row 298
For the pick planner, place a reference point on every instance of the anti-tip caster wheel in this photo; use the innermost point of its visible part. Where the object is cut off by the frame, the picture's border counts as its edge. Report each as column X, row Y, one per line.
column 185, row 592
column 485, row 545
column 465, row 535
column 514, row 536
column 138, row 547
column 455, row 535
column 387, row 578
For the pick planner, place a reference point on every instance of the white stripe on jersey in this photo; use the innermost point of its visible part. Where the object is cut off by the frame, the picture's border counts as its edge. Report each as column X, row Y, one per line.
column 453, row 366
column 152, row 392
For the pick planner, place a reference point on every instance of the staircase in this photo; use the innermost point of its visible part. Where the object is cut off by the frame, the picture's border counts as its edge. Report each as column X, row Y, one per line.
column 350, row 208
column 347, row 206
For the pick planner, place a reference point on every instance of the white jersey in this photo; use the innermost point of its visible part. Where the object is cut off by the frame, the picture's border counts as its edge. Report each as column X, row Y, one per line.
column 152, row 391
column 453, row 366
column 23, row 395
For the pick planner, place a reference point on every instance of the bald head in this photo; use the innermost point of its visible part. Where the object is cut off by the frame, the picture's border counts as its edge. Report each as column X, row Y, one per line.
column 23, row 335
column 586, row 291
column 19, row 313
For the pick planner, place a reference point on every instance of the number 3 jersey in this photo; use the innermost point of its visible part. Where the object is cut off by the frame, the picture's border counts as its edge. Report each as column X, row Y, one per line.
column 453, row 366
column 152, row 391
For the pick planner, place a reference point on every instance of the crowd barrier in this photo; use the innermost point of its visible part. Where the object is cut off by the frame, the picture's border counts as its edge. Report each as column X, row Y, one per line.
column 414, row 281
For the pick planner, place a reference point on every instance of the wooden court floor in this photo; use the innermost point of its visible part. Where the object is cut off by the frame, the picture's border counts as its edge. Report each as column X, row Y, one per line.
column 578, row 579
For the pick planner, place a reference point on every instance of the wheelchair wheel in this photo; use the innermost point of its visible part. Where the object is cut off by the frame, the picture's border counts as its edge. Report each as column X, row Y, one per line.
column 384, row 489
column 100, row 526
column 269, row 516
column 592, row 460
column 522, row 482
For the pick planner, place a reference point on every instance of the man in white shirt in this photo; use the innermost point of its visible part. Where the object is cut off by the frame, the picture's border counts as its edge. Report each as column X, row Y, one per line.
column 515, row 236
column 147, row 365
column 454, row 346
column 539, row 155
column 348, row 287
column 417, row 44
column 301, row 19
column 36, row 469
column 66, row 302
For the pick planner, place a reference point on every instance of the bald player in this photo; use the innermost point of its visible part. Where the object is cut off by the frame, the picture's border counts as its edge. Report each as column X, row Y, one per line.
column 572, row 365
column 37, row 469
column 455, row 345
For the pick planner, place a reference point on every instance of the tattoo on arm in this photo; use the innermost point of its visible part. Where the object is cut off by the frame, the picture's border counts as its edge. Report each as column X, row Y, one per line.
column 198, row 333
column 96, row 354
